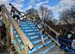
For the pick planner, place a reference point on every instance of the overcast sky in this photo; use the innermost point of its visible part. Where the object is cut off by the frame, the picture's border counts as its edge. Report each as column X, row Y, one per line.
column 55, row 5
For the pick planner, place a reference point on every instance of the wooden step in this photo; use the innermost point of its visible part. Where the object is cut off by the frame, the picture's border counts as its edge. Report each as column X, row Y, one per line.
column 39, row 40
column 37, row 47
column 43, row 48
column 53, row 50
column 58, row 51
column 61, row 51
column 40, row 43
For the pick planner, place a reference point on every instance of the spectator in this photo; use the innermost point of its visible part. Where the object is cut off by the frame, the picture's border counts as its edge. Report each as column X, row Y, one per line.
column 41, row 28
column 37, row 20
column 15, row 14
column 42, row 31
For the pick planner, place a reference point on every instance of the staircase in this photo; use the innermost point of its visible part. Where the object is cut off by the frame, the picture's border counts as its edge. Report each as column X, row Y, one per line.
column 27, row 35
column 32, row 32
column 27, row 29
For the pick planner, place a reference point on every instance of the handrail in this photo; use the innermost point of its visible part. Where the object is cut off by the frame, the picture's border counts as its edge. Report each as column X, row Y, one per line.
column 22, row 35
column 53, row 39
column 53, row 31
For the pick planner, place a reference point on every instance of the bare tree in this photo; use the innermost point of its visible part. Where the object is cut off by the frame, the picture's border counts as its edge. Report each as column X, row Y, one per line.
column 46, row 13
column 68, row 16
column 32, row 11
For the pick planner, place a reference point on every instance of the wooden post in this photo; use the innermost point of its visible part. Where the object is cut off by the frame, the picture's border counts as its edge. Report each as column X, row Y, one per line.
column 7, row 32
column 5, row 21
column 26, row 49
column 11, row 33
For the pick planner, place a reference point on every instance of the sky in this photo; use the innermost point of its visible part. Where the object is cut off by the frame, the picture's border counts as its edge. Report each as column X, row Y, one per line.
column 55, row 5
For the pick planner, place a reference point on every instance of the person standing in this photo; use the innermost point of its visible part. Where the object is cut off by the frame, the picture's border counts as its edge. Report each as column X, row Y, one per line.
column 42, row 31
column 15, row 14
